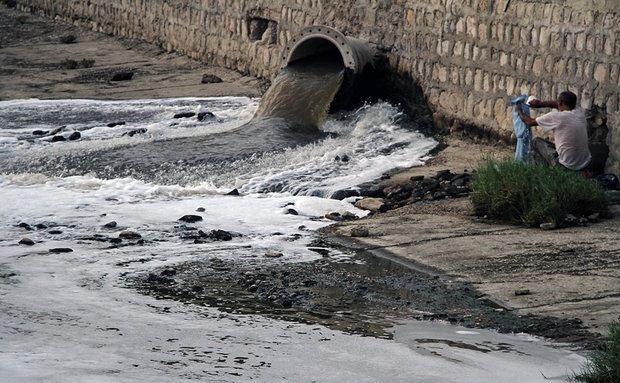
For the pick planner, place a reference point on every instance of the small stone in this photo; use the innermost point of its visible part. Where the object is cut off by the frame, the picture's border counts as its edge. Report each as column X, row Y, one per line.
column 24, row 225
column 594, row 217
column 122, row 76
column 75, row 136
column 110, row 225
column 233, row 192
column 292, row 211
column 210, row 79
column 571, row 220
column 190, row 218
column 371, row 204
column 348, row 216
column 549, row 226
column 220, row 235
column 334, row 216
column 58, row 250
column 184, row 115
column 128, row 234
column 201, row 210
column 273, row 254
column 205, row 115
column 26, row 241
column 132, row 133
column 359, row 232
column 522, row 292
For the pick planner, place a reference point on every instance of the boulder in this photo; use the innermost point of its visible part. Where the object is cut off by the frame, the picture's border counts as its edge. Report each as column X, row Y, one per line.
column 370, row 204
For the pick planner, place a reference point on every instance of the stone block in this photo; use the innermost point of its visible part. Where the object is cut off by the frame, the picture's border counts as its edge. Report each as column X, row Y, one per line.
column 486, row 82
column 478, row 78
column 467, row 51
column 483, row 31
column 503, row 59
column 556, row 41
column 455, row 75
column 469, row 76
column 600, row 73
column 580, row 41
column 614, row 77
column 543, row 37
column 510, row 85
column 537, row 66
column 410, row 17
column 458, row 49
column 472, row 26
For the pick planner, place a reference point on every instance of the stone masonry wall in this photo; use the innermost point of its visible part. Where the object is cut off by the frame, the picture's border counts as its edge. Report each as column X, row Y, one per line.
column 469, row 57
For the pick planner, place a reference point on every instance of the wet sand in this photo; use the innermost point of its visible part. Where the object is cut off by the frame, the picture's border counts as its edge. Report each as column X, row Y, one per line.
column 566, row 276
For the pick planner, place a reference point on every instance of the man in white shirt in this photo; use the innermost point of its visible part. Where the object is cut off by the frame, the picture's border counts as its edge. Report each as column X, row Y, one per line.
column 570, row 132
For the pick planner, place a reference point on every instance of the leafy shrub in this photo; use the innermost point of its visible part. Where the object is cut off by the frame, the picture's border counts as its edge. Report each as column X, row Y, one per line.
column 531, row 194
column 604, row 364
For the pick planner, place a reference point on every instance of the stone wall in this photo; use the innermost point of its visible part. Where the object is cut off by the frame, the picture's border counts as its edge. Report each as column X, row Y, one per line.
column 468, row 57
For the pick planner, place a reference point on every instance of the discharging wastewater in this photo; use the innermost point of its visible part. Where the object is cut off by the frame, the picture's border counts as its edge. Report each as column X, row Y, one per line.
column 124, row 256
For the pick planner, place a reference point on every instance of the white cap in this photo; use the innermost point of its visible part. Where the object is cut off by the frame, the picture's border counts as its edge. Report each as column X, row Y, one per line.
column 530, row 99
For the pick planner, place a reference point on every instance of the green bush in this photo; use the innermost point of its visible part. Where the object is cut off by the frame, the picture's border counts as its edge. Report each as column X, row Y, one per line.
column 604, row 364
column 531, row 194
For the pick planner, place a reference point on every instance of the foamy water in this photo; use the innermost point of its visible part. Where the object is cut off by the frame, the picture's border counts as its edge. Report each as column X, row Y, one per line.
column 68, row 317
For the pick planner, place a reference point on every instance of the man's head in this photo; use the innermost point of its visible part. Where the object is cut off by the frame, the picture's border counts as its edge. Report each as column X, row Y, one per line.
column 567, row 100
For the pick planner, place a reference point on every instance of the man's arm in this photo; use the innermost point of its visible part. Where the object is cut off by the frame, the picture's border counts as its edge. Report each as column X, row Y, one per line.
column 529, row 121
column 543, row 104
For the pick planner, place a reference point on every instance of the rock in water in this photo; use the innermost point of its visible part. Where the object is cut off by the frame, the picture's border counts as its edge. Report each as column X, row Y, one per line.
column 204, row 115
column 59, row 250
column 184, row 115
column 190, row 218
column 26, row 241
column 128, row 234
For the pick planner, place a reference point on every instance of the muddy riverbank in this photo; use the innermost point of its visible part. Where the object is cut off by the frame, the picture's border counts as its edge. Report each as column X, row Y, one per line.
column 365, row 294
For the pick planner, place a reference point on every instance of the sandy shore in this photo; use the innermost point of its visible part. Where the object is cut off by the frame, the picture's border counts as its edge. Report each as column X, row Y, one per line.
column 567, row 273
column 36, row 64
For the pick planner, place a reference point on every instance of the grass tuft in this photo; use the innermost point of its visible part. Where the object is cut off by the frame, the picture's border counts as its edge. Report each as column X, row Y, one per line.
column 604, row 364
column 531, row 194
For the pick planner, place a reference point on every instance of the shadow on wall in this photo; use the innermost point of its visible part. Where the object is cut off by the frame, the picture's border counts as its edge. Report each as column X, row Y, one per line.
column 597, row 137
column 260, row 29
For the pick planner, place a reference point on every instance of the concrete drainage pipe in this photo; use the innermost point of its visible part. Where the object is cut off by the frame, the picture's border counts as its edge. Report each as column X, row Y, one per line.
column 358, row 59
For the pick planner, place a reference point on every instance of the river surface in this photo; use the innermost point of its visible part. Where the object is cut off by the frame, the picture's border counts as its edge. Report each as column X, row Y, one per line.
column 94, row 211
